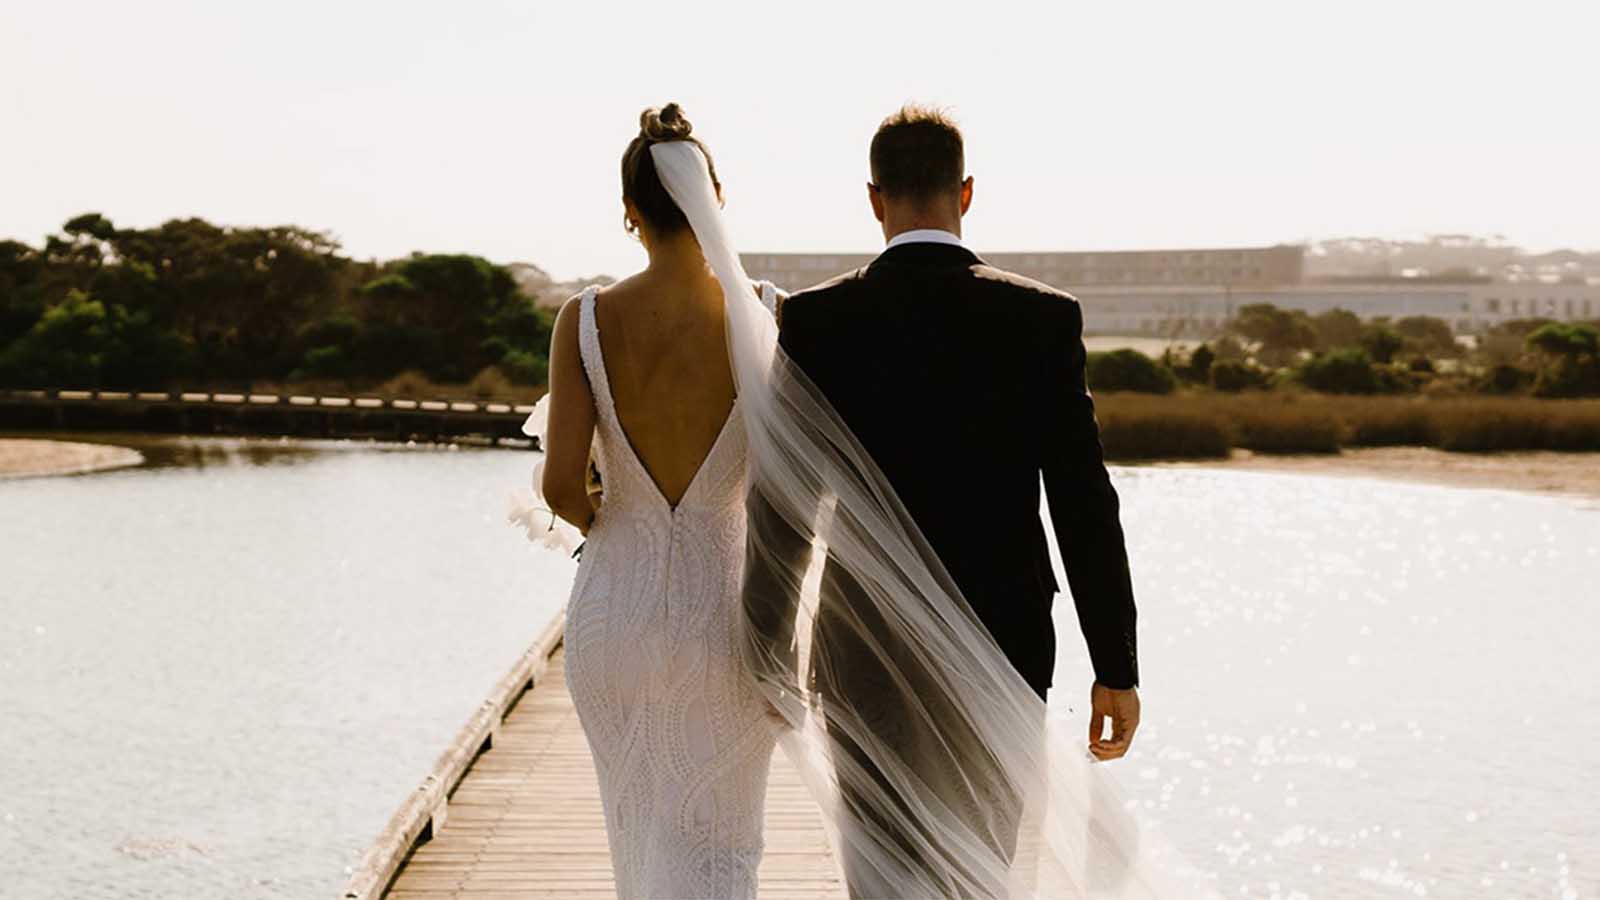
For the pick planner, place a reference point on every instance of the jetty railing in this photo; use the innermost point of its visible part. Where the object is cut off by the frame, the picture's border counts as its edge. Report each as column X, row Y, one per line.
column 424, row 811
column 297, row 415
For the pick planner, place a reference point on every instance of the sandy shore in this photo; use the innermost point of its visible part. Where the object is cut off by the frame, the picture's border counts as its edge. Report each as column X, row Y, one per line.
column 27, row 458
column 1569, row 474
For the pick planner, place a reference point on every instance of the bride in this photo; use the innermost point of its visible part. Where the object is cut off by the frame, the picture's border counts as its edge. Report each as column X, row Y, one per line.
column 640, row 371
column 952, row 778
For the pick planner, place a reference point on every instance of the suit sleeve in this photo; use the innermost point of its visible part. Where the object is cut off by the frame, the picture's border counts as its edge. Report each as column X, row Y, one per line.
column 1085, row 512
column 776, row 558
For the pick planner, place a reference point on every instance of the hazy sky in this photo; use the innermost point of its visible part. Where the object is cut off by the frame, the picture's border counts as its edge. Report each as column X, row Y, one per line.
column 496, row 128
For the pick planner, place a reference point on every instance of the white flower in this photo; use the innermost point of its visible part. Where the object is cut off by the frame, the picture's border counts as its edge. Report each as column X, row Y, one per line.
column 538, row 421
column 543, row 527
column 530, row 511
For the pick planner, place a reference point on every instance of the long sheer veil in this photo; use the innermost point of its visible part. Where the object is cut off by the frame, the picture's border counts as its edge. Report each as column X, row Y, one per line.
column 937, row 769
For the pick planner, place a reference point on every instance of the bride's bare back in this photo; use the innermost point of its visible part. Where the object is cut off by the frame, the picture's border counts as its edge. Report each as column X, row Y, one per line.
column 663, row 342
column 666, row 357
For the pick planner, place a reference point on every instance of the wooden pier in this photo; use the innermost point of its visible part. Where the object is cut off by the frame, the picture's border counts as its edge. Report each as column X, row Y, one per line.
column 512, row 810
column 218, row 412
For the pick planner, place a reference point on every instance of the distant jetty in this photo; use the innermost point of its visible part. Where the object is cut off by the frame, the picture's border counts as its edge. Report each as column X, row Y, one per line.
column 214, row 412
column 29, row 458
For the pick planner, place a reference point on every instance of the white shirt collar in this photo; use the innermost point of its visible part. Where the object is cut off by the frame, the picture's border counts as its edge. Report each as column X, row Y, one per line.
column 925, row 236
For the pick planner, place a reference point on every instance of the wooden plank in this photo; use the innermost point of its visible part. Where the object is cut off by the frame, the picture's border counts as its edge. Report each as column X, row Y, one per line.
column 526, row 821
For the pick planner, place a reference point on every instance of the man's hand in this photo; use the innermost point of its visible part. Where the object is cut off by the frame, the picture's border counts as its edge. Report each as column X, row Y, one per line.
column 1122, row 708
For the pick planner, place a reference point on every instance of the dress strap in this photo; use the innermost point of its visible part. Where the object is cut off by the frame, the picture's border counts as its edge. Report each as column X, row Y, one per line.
column 594, row 364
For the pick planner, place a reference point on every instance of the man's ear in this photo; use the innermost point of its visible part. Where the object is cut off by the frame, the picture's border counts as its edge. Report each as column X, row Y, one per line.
column 876, row 198
column 966, row 195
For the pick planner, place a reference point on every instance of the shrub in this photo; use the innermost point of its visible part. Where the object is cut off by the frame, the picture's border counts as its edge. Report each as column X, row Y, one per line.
column 323, row 362
column 1570, row 360
column 1346, row 371
column 1233, row 377
column 1503, row 378
column 410, row 383
column 1129, row 370
column 1398, row 379
column 1200, row 363
column 1562, row 339
column 491, row 384
column 1570, row 377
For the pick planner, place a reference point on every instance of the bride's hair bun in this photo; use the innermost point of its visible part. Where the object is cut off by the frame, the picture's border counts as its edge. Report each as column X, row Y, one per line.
column 641, row 184
column 665, row 124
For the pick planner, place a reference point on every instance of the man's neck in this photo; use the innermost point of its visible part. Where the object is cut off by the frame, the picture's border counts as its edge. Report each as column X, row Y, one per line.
column 925, row 236
column 896, row 229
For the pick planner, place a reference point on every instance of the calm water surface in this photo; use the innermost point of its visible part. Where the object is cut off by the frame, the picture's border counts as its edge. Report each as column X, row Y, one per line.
column 219, row 674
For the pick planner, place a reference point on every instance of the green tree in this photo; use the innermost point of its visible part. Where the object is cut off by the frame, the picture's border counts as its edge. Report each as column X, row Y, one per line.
column 138, row 307
column 1570, row 360
column 1337, row 328
column 1279, row 335
column 1430, row 335
column 452, row 315
column 238, row 295
column 1380, row 342
column 82, row 342
column 1568, row 340
column 21, row 290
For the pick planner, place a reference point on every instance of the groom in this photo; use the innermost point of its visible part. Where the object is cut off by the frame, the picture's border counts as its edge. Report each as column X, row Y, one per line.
column 964, row 383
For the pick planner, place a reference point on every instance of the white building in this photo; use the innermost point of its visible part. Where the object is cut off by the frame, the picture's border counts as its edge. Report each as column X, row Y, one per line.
column 1189, row 293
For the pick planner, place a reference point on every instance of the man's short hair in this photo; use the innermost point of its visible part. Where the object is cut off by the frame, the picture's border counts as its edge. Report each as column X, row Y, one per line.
column 917, row 154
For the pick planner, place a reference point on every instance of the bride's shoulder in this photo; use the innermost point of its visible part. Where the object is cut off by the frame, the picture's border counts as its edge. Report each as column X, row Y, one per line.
column 571, row 309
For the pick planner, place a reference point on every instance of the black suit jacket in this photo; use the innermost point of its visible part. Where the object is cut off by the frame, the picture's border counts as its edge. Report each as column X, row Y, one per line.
column 964, row 383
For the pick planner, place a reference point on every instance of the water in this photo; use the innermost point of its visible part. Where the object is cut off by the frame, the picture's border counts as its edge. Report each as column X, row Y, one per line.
column 220, row 674
column 1358, row 689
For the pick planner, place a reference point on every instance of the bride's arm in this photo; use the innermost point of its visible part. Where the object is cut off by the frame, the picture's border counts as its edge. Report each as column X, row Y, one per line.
column 571, row 428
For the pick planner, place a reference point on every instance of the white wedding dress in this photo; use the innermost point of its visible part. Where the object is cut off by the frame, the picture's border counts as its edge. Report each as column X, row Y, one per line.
column 676, row 725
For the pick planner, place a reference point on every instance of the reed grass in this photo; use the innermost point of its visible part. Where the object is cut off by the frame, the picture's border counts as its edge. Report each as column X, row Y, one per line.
column 1206, row 424
column 1175, row 433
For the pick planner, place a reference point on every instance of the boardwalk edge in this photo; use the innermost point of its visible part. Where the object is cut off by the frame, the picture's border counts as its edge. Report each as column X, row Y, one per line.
column 425, row 810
